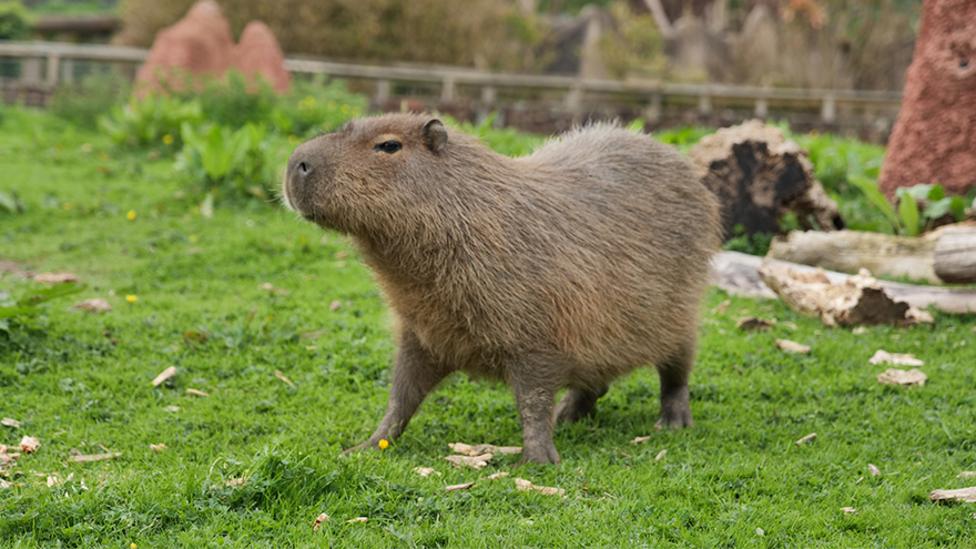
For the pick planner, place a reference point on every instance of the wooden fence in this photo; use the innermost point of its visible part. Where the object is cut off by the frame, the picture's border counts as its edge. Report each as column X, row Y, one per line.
column 46, row 65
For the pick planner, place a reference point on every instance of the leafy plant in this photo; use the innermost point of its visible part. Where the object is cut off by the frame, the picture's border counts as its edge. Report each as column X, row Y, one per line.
column 919, row 207
column 14, row 21
column 152, row 121
column 314, row 106
column 84, row 102
column 231, row 162
column 17, row 313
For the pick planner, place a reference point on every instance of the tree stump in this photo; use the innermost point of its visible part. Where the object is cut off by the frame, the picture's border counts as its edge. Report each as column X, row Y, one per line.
column 758, row 176
column 934, row 139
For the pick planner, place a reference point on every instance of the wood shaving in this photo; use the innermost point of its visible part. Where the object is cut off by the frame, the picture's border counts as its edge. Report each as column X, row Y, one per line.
column 163, row 376
column 335, row 305
column 873, row 469
column 357, row 520
column 884, row 357
column 894, row 376
column 640, row 440
column 29, row 445
column 524, row 485
column 158, row 448
column 55, row 278
column 172, row 408
column 94, row 306
column 660, row 455
column 848, row 510
column 967, row 474
column 10, row 422
column 792, row 347
column 808, row 438
column 456, row 487
column 317, row 523
column 236, row 482
column 196, row 392
column 475, row 462
column 498, row 475
column 965, row 495
column 284, row 379
column 478, row 449
column 91, row 458
column 425, row 471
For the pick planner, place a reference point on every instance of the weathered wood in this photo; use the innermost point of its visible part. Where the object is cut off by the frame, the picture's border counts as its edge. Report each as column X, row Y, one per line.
column 738, row 274
column 947, row 254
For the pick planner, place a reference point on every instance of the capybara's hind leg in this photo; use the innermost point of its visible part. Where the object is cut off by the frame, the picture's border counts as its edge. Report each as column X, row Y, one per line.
column 578, row 403
column 674, row 372
column 535, row 389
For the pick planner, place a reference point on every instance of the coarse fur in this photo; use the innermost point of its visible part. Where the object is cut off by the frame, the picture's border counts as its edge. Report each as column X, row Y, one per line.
column 565, row 268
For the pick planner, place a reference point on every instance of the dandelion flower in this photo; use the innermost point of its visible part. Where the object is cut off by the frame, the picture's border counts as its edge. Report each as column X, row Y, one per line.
column 131, row 216
column 132, row 298
column 383, row 444
column 167, row 139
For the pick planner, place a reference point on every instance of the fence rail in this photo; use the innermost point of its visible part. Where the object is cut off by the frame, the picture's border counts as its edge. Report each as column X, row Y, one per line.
column 54, row 57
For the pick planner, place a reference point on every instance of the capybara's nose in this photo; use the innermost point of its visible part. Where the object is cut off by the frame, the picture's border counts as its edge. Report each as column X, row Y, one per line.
column 299, row 167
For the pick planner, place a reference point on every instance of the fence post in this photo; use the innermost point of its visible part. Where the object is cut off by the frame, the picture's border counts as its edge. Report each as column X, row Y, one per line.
column 704, row 104
column 382, row 92
column 68, row 71
column 828, row 111
column 30, row 70
column 53, row 70
column 653, row 111
column 762, row 107
column 574, row 98
column 489, row 95
column 448, row 89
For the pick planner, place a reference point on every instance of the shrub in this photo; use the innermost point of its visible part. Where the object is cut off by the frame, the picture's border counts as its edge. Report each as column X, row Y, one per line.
column 14, row 21
column 232, row 101
column 228, row 163
column 84, row 102
column 153, row 121
column 313, row 106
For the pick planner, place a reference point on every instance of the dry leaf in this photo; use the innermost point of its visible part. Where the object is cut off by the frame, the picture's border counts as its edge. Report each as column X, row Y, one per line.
column 896, row 359
column 317, row 523
column 967, row 474
column 90, row 458
column 873, row 469
column 55, row 278
column 792, row 346
column 456, row 487
column 29, row 445
column 524, row 485
column 357, row 520
column 640, row 440
column 849, row 510
column 894, row 376
column 335, row 305
column 966, row 495
column 163, row 376
column 10, row 422
column 475, row 462
column 158, row 447
column 806, row 439
column 425, row 471
column 478, row 449
column 754, row 324
column 498, row 475
column 94, row 306
column 196, row 392
column 660, row 455
column 284, row 379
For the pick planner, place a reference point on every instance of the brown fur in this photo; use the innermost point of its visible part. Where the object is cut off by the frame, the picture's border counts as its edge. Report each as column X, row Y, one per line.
column 565, row 268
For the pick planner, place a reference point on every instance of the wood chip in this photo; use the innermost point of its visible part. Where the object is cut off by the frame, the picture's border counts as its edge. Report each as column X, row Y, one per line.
column 456, row 487
column 164, row 376
column 478, row 449
column 895, row 359
column 94, row 306
column 498, row 475
column 4, row 485
column 172, row 408
column 965, row 495
column 894, row 376
column 29, row 445
column 335, row 305
column 357, row 520
column 55, row 278
column 660, row 455
column 873, row 469
column 641, row 440
column 848, row 510
column 196, row 392
column 317, row 523
column 524, row 485
column 158, row 447
column 10, row 422
column 806, row 439
column 91, row 458
column 754, row 324
column 792, row 346
column 284, row 379
column 425, row 471
column 475, row 462
column 967, row 474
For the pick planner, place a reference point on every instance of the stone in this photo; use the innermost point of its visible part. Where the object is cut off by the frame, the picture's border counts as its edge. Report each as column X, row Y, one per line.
column 934, row 139
column 258, row 56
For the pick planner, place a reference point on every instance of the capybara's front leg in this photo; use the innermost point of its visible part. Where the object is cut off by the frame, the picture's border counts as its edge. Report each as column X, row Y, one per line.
column 674, row 372
column 415, row 374
column 534, row 393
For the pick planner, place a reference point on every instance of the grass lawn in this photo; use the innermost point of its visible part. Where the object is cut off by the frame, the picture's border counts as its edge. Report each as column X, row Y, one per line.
column 81, row 382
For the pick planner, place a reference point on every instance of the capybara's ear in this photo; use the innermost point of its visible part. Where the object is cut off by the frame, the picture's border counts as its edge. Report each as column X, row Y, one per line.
column 435, row 135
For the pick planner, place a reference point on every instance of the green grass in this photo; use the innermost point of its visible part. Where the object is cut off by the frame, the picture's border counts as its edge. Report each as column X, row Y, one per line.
column 82, row 382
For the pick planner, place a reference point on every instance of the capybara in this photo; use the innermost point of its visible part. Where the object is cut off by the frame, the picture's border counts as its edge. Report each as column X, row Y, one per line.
column 562, row 269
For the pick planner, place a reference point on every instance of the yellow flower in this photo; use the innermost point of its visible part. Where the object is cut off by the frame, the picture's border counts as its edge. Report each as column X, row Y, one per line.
column 131, row 216
column 383, row 444
column 132, row 298
column 167, row 139
column 133, row 546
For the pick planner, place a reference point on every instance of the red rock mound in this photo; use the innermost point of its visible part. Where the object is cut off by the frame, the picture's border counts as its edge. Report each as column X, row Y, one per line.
column 934, row 140
column 258, row 56
column 200, row 47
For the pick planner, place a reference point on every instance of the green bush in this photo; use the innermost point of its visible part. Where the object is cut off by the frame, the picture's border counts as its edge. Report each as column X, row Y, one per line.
column 228, row 163
column 154, row 121
column 313, row 106
column 83, row 103
column 14, row 21
column 232, row 101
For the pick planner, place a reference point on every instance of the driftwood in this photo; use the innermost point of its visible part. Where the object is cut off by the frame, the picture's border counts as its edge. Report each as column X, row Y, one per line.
column 758, row 176
column 947, row 254
column 738, row 274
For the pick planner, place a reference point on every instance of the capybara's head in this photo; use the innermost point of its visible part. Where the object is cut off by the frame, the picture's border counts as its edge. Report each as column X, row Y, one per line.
column 361, row 178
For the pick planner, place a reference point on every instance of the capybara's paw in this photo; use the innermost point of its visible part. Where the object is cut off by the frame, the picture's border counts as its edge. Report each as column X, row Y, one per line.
column 572, row 411
column 674, row 418
column 540, row 454
column 365, row 445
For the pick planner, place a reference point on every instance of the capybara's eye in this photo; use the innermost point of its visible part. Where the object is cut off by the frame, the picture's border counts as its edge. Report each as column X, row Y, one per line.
column 389, row 147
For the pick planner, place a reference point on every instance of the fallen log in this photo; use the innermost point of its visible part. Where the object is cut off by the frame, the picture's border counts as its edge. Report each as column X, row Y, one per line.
column 947, row 254
column 738, row 274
